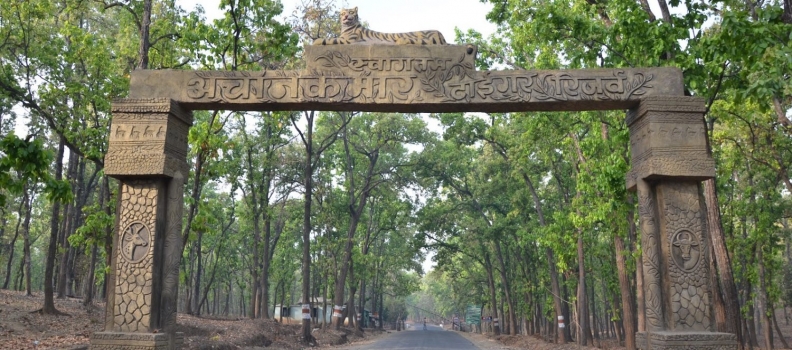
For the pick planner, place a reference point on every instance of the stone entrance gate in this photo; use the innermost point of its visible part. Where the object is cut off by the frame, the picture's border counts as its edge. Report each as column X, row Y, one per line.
column 148, row 149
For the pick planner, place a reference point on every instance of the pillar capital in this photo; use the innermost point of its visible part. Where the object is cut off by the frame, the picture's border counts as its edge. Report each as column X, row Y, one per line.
column 147, row 137
column 668, row 140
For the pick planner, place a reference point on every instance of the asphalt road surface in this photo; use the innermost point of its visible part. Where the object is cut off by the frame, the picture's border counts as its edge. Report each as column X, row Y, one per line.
column 433, row 338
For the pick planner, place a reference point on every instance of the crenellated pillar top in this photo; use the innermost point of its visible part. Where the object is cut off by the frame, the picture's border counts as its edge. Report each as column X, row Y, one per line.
column 668, row 140
column 148, row 137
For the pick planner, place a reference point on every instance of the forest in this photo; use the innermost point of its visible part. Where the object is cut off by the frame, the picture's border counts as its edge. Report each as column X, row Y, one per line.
column 524, row 214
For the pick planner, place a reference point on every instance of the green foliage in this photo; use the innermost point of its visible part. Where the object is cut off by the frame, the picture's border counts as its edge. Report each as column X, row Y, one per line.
column 30, row 161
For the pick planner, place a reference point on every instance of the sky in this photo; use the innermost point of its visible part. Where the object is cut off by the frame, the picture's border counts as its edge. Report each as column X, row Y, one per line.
column 395, row 15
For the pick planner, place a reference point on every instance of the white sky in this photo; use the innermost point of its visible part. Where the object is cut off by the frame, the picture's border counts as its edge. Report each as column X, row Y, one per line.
column 395, row 15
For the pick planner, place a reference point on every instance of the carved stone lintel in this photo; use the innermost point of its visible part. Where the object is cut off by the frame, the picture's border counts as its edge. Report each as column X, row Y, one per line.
column 135, row 341
column 406, row 78
column 686, row 341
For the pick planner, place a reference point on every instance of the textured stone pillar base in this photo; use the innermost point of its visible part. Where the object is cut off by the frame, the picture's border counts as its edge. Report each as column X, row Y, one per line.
column 135, row 341
column 686, row 341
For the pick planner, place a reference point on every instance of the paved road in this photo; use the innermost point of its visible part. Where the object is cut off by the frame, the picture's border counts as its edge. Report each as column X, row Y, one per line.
column 434, row 338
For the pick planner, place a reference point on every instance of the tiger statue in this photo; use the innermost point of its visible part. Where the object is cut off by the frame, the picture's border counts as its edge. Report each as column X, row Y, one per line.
column 352, row 32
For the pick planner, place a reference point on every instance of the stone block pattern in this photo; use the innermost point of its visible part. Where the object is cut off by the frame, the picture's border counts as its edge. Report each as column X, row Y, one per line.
column 686, row 249
column 134, row 341
column 686, row 341
column 133, row 288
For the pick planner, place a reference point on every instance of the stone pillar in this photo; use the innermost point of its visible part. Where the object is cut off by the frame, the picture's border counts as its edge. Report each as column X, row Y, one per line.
column 147, row 153
column 669, row 157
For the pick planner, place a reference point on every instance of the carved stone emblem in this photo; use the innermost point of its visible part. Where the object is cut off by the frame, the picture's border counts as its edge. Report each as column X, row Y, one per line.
column 135, row 241
column 685, row 249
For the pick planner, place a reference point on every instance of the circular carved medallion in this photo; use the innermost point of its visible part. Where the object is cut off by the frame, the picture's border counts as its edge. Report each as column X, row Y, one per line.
column 685, row 249
column 135, row 241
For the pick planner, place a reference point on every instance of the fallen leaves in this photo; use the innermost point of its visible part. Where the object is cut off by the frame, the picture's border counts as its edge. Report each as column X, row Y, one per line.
column 21, row 329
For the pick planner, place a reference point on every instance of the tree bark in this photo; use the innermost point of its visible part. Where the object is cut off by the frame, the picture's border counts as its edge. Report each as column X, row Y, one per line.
column 306, row 234
column 778, row 330
column 726, row 287
column 645, row 6
column 664, row 10
column 89, row 288
column 264, row 308
column 491, row 285
column 628, row 315
column 506, row 289
column 49, row 301
column 581, row 295
column 767, row 331
column 143, row 53
column 66, row 229
column 563, row 332
column 20, row 214
column 196, row 294
column 787, row 16
column 26, row 235
column 89, row 284
column 356, row 206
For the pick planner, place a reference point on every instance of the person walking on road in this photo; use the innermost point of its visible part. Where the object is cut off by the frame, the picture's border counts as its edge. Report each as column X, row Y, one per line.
column 424, row 323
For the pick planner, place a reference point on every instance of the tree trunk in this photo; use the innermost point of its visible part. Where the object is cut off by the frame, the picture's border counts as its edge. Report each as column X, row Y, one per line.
column 49, row 301
column 89, row 292
column 18, row 285
column 265, row 268
column 591, row 298
column 283, row 300
column 196, row 294
column 209, row 284
column 362, row 301
column 491, row 285
column 143, row 53
column 581, row 295
column 26, row 234
column 628, row 315
column 306, row 234
column 763, row 303
column 89, row 284
column 69, row 216
column 3, row 224
column 563, row 332
column 356, row 207
column 20, row 214
column 62, row 260
column 381, row 309
column 727, row 288
column 506, row 289
column 778, row 330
